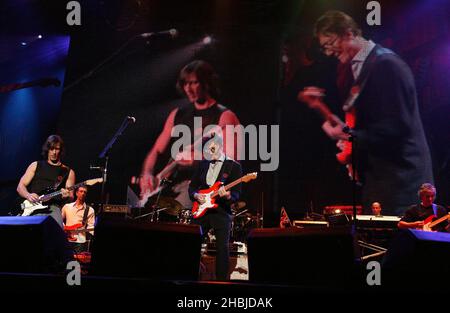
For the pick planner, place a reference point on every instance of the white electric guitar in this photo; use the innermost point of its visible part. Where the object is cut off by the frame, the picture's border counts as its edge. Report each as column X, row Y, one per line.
column 29, row 207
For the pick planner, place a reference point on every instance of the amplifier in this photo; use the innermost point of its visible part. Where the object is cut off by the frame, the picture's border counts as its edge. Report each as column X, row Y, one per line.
column 116, row 208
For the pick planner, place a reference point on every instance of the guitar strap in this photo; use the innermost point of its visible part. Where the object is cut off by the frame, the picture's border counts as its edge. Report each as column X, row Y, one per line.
column 85, row 215
column 435, row 209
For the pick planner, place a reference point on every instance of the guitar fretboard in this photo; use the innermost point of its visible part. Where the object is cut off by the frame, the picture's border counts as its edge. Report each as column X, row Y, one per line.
column 57, row 193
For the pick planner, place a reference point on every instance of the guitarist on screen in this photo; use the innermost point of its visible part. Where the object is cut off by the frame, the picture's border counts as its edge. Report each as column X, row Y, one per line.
column 217, row 167
column 45, row 174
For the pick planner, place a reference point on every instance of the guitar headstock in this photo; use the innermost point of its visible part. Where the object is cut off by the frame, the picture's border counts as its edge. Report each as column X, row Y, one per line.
column 249, row 177
column 93, row 181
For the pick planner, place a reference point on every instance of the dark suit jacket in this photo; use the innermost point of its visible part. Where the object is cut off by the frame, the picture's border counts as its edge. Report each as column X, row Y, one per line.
column 393, row 158
column 230, row 171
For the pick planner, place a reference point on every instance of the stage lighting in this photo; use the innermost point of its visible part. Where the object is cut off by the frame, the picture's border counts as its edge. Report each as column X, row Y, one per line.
column 23, row 43
column 207, row 40
column 39, row 36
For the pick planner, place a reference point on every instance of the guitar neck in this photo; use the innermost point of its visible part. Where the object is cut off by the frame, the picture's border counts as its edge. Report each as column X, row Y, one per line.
column 439, row 220
column 229, row 186
column 57, row 193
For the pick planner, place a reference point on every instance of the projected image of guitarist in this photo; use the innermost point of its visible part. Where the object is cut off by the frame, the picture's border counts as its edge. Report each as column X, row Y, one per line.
column 199, row 83
column 216, row 168
column 42, row 177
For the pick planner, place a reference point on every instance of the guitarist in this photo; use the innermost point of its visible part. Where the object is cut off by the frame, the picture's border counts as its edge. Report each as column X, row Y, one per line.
column 79, row 213
column 416, row 214
column 391, row 149
column 217, row 167
column 48, row 173
column 198, row 82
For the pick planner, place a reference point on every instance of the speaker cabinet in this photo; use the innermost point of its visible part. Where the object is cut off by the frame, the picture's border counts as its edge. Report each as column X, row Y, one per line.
column 301, row 256
column 150, row 250
column 32, row 244
column 418, row 258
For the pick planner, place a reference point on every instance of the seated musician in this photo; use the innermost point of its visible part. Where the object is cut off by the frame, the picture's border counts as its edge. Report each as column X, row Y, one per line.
column 376, row 208
column 217, row 167
column 418, row 213
column 79, row 220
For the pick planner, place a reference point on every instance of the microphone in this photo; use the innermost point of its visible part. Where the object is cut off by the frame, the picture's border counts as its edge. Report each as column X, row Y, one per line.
column 131, row 118
column 171, row 32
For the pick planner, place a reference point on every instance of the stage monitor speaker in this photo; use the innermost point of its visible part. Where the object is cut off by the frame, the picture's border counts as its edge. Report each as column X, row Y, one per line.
column 32, row 244
column 301, row 256
column 147, row 250
column 418, row 258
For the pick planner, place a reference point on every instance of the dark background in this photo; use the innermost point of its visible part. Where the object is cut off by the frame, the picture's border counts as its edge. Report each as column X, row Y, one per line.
column 250, row 38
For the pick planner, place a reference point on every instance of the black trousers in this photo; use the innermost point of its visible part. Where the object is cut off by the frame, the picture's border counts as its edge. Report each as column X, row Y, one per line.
column 220, row 222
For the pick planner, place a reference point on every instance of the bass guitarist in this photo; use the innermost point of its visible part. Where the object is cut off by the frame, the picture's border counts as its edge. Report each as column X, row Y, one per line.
column 217, row 167
column 45, row 174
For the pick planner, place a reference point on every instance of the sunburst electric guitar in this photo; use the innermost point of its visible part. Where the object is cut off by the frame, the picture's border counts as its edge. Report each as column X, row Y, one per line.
column 430, row 222
column 212, row 193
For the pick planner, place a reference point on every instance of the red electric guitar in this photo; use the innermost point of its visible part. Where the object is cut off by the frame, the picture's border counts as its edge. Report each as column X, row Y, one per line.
column 77, row 233
column 345, row 156
column 212, row 193
column 430, row 222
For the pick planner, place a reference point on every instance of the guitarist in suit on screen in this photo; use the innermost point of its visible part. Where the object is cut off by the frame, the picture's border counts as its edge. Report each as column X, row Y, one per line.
column 49, row 173
column 217, row 167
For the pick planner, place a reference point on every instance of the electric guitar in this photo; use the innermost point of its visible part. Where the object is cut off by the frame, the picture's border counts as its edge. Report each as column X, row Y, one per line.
column 28, row 207
column 212, row 193
column 429, row 223
column 345, row 156
column 170, row 168
column 76, row 233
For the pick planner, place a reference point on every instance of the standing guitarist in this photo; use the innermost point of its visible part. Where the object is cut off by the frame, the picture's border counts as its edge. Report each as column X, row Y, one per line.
column 217, row 167
column 79, row 215
column 391, row 149
column 48, row 173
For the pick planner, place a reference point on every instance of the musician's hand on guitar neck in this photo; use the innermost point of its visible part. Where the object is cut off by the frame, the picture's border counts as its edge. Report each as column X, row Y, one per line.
column 199, row 197
column 65, row 193
column 33, row 198
column 224, row 194
column 333, row 127
column 311, row 96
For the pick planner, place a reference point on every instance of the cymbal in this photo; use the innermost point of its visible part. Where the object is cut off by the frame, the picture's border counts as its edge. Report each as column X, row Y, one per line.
column 238, row 205
column 171, row 206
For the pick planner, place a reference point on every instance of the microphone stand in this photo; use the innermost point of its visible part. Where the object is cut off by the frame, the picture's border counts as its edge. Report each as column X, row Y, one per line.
column 105, row 155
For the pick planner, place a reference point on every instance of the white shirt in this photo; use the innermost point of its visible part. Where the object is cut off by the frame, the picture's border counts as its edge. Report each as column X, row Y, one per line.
column 72, row 215
column 214, row 170
column 359, row 59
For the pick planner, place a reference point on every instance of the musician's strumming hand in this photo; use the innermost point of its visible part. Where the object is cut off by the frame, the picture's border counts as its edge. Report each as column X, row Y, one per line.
column 418, row 224
column 311, row 96
column 147, row 183
column 334, row 128
column 199, row 197
column 32, row 197
column 224, row 194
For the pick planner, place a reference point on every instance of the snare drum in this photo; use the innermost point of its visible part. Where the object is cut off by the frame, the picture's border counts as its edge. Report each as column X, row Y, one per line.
column 185, row 217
